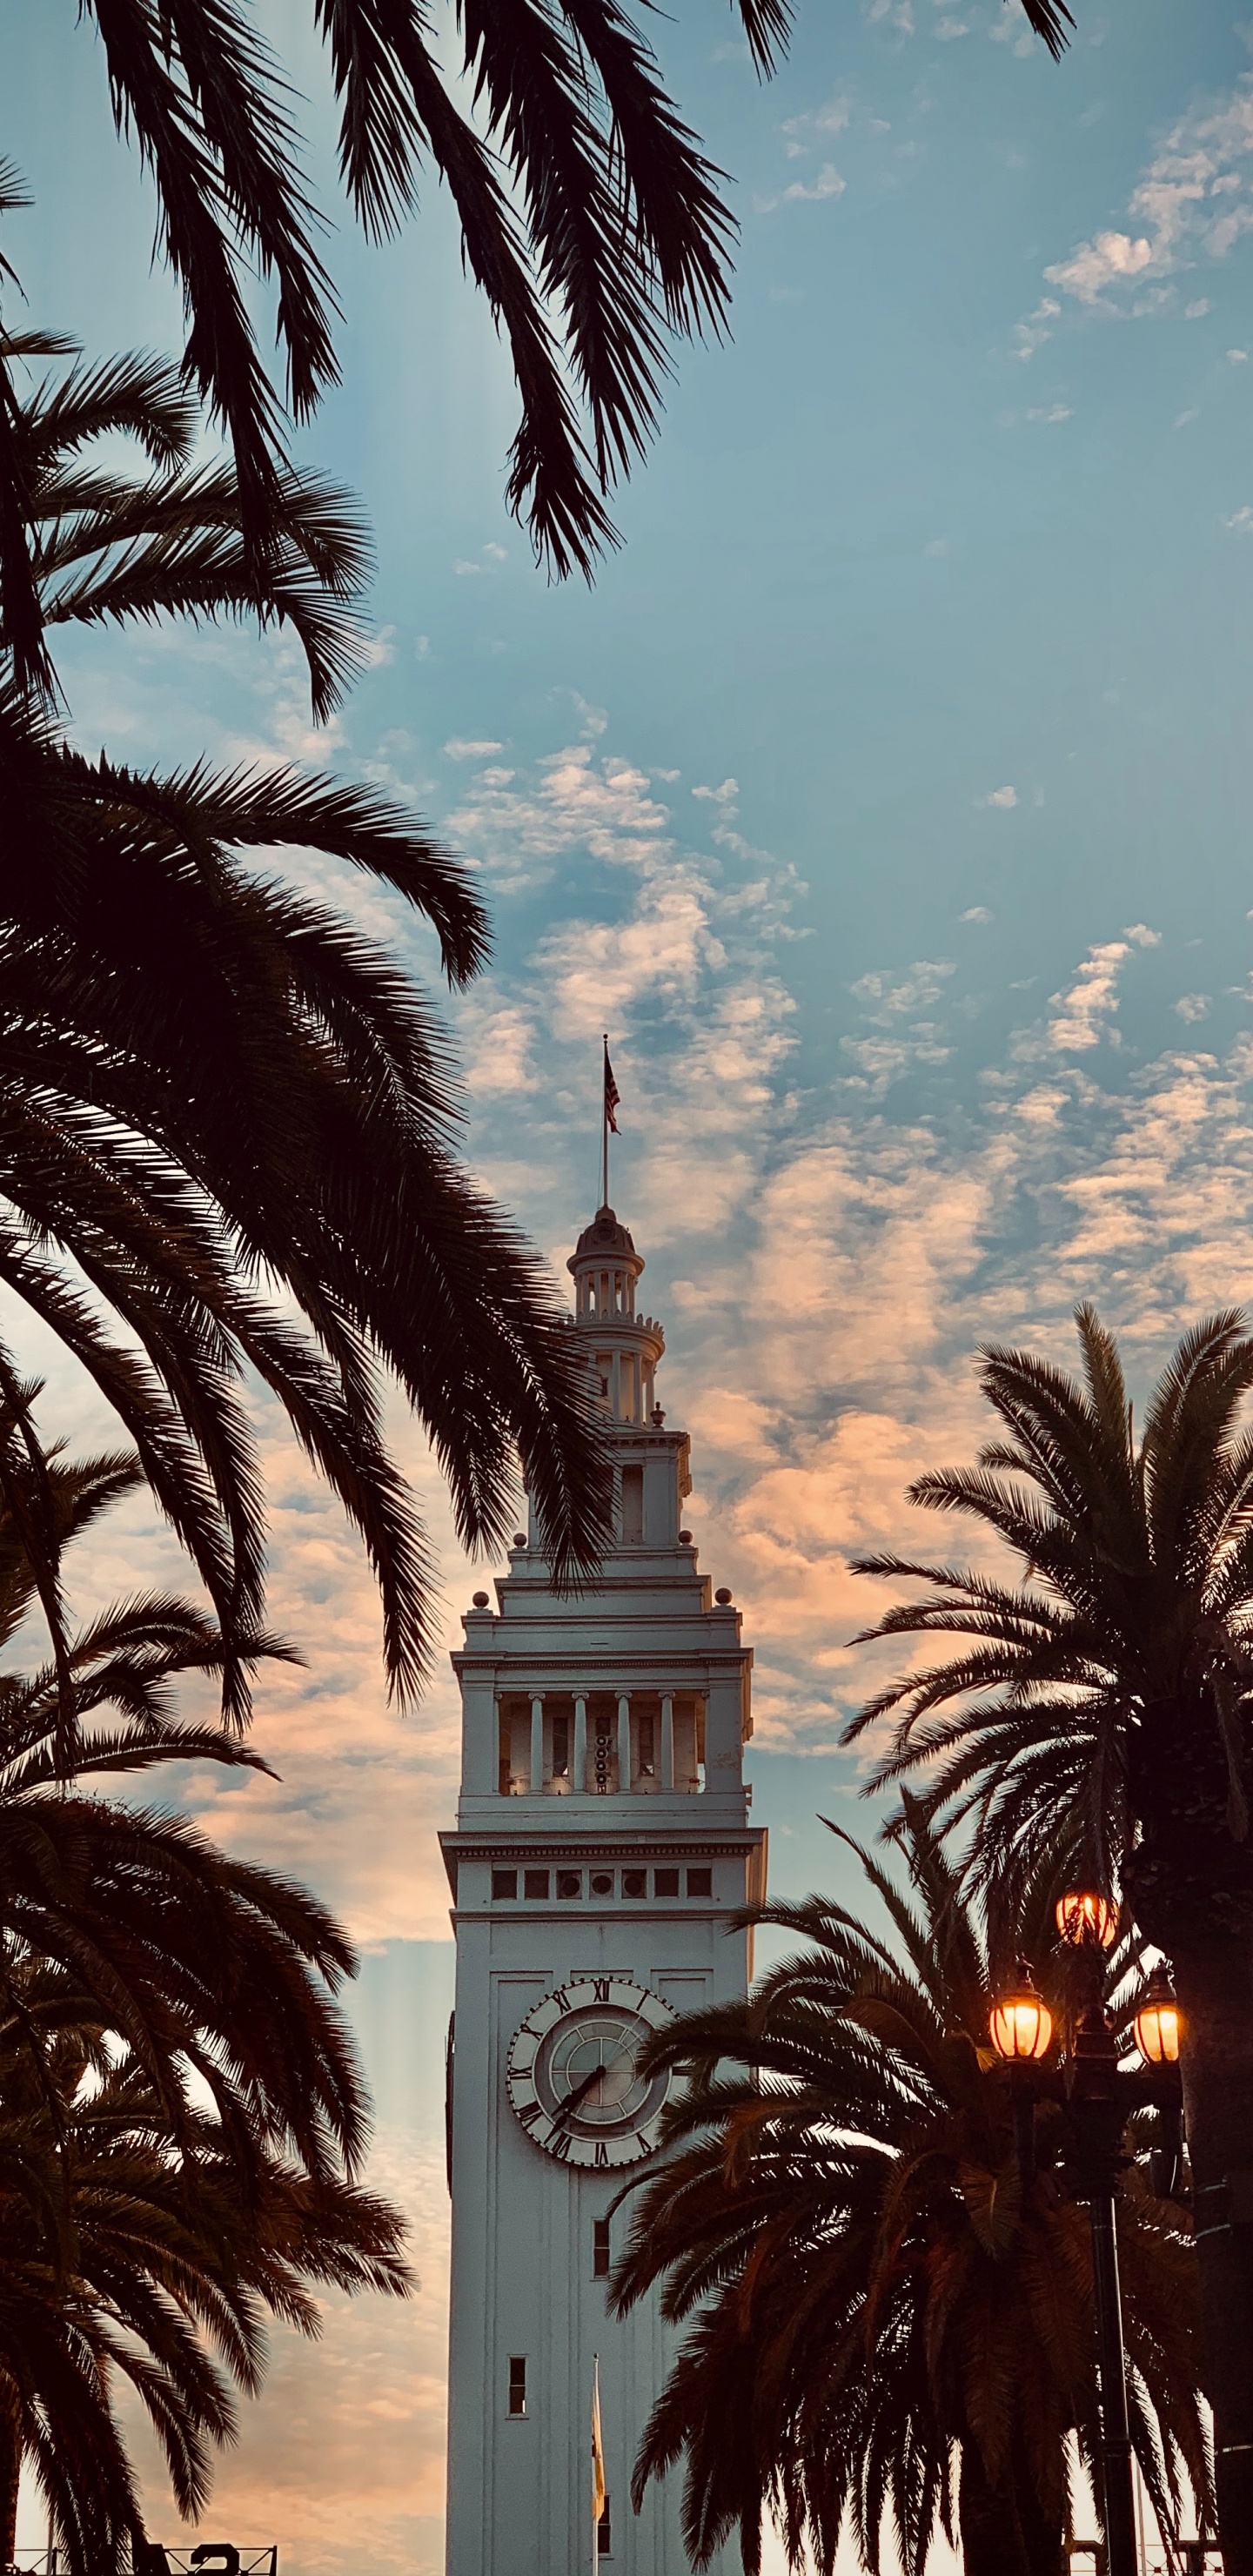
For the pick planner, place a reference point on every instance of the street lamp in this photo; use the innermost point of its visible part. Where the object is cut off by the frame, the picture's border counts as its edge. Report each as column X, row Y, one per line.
column 1084, row 1916
column 1021, row 2023
column 1157, row 2022
column 1098, row 2097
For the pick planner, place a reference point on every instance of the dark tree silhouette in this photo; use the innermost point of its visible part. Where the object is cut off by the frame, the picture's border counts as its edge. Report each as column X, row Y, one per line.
column 888, row 2329
column 1100, row 1709
column 227, row 1120
column 590, row 219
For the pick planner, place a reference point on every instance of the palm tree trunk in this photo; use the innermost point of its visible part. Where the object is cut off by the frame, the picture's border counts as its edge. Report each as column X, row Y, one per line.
column 1214, row 1982
column 1005, row 2531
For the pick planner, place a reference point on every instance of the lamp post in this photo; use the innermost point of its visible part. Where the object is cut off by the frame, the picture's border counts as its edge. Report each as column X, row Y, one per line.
column 1098, row 2097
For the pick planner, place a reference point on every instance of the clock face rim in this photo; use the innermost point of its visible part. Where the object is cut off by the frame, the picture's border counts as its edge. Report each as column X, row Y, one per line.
column 585, row 1997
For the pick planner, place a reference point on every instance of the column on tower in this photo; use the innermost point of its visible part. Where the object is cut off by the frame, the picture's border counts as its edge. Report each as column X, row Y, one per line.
column 667, row 1740
column 536, row 1782
column 579, row 1774
column 624, row 1741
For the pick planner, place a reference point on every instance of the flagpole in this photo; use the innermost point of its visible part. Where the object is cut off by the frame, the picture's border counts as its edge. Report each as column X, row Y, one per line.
column 604, row 1127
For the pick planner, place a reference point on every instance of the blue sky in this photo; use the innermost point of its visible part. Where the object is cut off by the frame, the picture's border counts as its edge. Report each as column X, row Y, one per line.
column 888, row 799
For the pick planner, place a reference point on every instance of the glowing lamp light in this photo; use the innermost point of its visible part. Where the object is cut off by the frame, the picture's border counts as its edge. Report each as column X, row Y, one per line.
column 1020, row 2022
column 1158, row 2022
column 1084, row 1916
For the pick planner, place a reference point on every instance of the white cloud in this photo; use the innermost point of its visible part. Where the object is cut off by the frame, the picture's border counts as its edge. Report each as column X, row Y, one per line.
column 1081, row 1015
column 1004, row 797
column 1197, row 310
column 1051, row 412
column 1140, row 935
column 827, row 184
column 461, row 749
column 1237, row 357
column 976, row 912
column 1032, row 334
column 1241, row 521
column 1194, row 201
column 800, row 132
column 1099, row 264
column 1193, row 1006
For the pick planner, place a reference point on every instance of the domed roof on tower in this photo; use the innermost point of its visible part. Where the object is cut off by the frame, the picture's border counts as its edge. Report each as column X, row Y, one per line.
column 604, row 1234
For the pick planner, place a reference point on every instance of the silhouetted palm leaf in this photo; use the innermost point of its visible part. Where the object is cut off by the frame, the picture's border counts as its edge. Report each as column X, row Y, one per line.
column 590, row 218
column 212, row 1086
column 170, row 540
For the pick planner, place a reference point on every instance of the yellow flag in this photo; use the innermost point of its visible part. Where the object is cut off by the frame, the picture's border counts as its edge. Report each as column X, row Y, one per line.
column 598, row 2448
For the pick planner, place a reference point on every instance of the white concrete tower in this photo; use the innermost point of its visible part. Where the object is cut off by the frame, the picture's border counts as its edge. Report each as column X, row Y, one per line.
column 602, row 1845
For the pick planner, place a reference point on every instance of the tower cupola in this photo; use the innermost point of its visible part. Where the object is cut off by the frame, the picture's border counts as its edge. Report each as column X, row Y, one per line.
column 624, row 1348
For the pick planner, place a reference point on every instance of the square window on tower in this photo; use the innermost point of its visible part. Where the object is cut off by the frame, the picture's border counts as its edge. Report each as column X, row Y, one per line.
column 535, row 1882
column 700, row 1882
column 504, row 1883
column 665, row 1882
column 635, row 1882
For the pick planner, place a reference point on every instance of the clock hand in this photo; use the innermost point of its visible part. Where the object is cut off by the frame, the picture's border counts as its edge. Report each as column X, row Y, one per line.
column 580, row 2094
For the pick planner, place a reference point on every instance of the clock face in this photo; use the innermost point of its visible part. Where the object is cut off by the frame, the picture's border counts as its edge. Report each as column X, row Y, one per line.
column 572, row 2072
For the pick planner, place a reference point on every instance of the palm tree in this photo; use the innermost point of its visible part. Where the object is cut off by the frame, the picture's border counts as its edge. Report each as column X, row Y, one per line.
column 200, row 1962
column 881, row 2307
column 224, row 1110
column 1098, row 1712
column 589, row 218
column 130, row 2256
column 181, row 2111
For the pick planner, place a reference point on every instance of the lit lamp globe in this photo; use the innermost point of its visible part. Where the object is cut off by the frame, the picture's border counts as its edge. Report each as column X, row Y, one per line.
column 1083, row 1916
column 1020, row 2023
column 1158, row 2022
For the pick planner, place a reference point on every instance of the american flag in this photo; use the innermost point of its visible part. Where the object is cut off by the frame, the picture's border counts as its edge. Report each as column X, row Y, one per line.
column 612, row 1093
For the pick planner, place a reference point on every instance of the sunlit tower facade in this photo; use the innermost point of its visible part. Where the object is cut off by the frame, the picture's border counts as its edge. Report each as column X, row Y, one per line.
column 602, row 1847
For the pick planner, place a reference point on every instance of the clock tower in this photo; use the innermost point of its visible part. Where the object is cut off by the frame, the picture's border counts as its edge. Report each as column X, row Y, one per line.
column 602, row 1847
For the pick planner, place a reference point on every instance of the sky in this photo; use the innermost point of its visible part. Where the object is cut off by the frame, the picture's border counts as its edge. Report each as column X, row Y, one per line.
column 887, row 799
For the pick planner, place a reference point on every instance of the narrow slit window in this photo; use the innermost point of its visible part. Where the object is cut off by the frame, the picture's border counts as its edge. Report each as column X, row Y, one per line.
column 517, row 2384
column 604, row 2533
column 561, row 1748
column 600, row 2249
